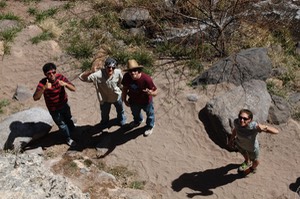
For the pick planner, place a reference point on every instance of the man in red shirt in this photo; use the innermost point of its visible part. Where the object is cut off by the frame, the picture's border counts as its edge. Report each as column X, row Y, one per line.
column 140, row 89
column 53, row 88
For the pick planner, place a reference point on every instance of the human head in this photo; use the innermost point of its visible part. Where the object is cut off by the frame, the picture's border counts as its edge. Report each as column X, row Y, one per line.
column 110, row 65
column 49, row 66
column 134, row 69
column 110, row 62
column 245, row 117
column 49, row 70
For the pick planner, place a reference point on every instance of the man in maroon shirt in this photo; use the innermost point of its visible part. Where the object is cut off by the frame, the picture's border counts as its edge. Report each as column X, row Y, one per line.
column 53, row 88
column 140, row 89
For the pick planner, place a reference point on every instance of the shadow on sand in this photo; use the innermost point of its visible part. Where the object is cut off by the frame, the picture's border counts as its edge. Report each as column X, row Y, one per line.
column 203, row 182
column 90, row 137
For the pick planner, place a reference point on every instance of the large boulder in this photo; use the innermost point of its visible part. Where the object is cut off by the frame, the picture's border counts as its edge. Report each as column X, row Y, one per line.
column 25, row 176
column 279, row 111
column 219, row 113
column 20, row 128
column 249, row 64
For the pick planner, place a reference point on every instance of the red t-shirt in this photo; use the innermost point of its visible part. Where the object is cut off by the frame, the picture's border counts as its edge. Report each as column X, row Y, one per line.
column 136, row 87
column 55, row 97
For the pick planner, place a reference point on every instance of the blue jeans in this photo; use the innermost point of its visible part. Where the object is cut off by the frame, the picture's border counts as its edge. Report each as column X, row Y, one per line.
column 63, row 119
column 105, row 110
column 137, row 114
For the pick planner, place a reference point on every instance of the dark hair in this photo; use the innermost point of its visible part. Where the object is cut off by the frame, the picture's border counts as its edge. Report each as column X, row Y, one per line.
column 49, row 66
column 248, row 112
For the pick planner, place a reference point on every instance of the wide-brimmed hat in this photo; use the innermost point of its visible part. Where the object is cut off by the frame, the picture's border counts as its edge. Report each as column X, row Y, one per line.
column 132, row 64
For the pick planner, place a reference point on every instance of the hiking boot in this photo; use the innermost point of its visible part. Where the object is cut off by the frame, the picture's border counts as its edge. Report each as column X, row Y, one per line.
column 71, row 142
column 244, row 166
column 148, row 131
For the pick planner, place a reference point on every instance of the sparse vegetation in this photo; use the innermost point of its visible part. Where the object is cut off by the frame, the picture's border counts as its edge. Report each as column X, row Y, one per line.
column 2, row 4
column 42, row 37
column 9, row 16
column 3, row 103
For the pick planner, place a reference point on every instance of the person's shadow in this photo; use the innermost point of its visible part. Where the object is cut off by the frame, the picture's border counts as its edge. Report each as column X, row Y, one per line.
column 295, row 187
column 109, row 141
column 203, row 182
column 91, row 137
column 26, row 132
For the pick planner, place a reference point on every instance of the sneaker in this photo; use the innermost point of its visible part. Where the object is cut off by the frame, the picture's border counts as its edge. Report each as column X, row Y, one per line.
column 244, row 166
column 249, row 170
column 71, row 142
column 149, row 131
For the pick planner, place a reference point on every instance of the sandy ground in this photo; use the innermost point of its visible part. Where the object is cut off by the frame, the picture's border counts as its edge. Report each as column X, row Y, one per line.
column 178, row 160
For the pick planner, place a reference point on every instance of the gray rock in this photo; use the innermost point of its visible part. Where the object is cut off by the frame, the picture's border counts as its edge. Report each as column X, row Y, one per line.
column 22, row 93
column 279, row 111
column 20, row 128
column 134, row 17
column 24, row 176
column 7, row 24
column 249, row 64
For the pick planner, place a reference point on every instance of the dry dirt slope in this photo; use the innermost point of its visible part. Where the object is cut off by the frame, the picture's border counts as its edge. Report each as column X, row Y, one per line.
column 178, row 160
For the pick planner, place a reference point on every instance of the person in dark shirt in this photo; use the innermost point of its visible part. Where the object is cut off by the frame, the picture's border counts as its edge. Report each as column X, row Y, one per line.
column 140, row 89
column 53, row 88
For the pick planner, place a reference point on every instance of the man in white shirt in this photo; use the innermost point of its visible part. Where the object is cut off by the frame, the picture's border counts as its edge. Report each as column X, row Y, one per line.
column 109, row 91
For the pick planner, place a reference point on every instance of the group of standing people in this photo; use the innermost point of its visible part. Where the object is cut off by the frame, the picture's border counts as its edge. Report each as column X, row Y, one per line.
column 136, row 89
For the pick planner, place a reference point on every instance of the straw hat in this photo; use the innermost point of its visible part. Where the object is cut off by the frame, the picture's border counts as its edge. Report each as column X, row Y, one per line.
column 132, row 64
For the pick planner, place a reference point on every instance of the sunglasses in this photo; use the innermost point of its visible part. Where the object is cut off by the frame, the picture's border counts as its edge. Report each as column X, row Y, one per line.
column 243, row 118
column 112, row 67
column 51, row 72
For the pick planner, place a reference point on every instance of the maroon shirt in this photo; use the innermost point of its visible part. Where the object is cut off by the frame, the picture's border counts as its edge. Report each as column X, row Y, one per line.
column 136, row 87
column 55, row 97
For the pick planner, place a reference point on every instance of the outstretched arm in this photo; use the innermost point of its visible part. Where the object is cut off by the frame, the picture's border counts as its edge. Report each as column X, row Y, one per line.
column 267, row 129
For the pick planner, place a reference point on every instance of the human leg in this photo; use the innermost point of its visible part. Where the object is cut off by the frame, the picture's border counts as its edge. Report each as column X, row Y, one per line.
column 136, row 112
column 57, row 117
column 149, row 109
column 121, row 117
column 254, row 158
column 105, row 109
column 67, row 117
column 246, row 164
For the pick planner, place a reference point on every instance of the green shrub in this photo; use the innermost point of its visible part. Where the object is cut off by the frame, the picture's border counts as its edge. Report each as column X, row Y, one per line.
column 3, row 103
column 9, row 35
column 40, row 16
column 9, row 16
column 80, row 48
column 3, row 4
column 86, row 64
column 137, row 185
column 42, row 37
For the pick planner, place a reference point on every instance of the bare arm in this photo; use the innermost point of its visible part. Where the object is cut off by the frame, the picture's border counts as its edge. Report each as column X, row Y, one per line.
column 38, row 94
column 232, row 137
column 124, row 95
column 68, row 86
column 267, row 129
column 151, row 92
column 84, row 76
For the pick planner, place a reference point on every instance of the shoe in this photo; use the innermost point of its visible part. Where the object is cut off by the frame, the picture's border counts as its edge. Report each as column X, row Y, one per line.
column 244, row 166
column 149, row 131
column 249, row 170
column 134, row 125
column 71, row 142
